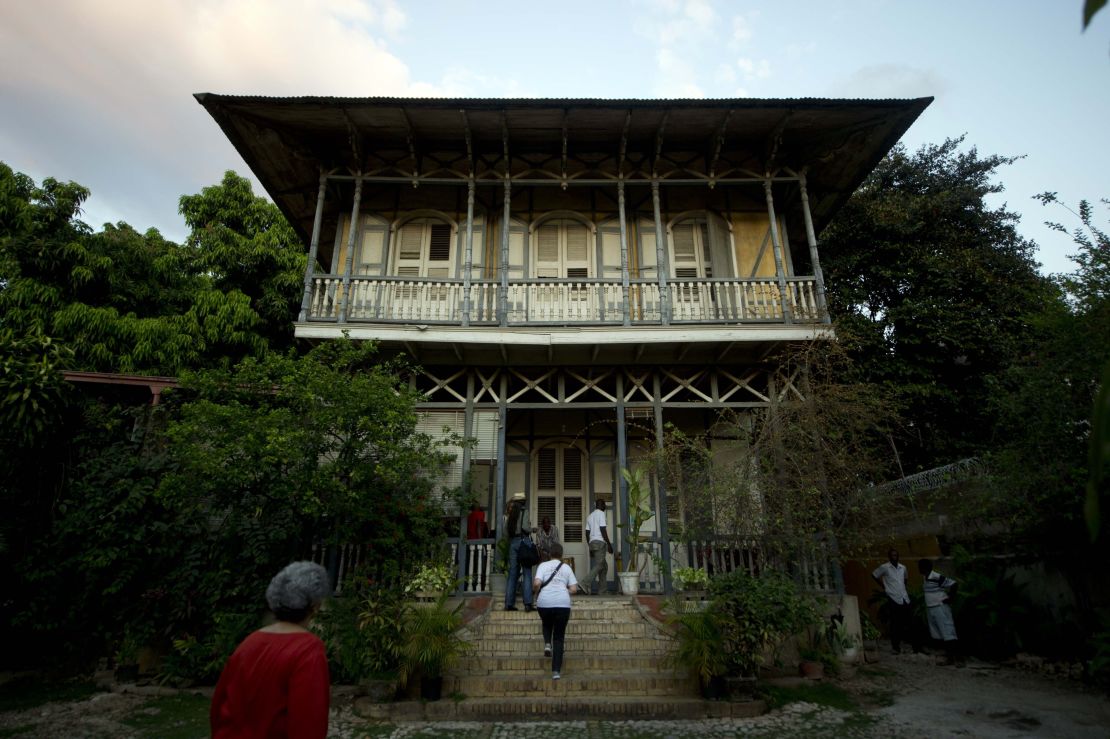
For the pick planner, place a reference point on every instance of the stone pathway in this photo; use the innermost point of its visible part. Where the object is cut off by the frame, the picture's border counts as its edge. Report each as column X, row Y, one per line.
column 794, row 720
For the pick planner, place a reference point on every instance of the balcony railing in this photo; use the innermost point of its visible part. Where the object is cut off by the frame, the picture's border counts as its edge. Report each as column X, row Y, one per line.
column 563, row 302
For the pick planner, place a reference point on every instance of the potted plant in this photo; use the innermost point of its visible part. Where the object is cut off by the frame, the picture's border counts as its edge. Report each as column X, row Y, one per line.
column 126, row 657
column 700, row 647
column 815, row 654
column 692, row 582
column 430, row 581
column 845, row 643
column 639, row 513
column 871, row 637
column 430, row 643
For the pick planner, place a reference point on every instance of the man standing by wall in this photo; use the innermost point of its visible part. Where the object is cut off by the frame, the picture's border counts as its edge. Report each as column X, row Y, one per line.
column 938, row 589
column 598, row 538
column 892, row 576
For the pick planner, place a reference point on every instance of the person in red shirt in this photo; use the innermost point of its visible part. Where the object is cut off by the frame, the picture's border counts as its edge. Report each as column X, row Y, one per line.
column 276, row 683
column 476, row 523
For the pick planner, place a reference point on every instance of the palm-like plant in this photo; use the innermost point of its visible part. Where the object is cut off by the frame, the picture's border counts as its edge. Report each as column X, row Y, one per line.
column 639, row 513
column 431, row 642
column 699, row 643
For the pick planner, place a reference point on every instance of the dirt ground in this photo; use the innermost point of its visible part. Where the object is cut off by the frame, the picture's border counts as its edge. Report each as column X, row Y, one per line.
column 905, row 696
column 980, row 700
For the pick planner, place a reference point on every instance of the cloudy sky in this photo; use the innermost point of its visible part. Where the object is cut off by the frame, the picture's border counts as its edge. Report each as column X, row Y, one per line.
column 100, row 91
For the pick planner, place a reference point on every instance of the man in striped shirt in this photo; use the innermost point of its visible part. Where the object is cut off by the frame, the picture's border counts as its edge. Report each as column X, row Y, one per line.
column 937, row 589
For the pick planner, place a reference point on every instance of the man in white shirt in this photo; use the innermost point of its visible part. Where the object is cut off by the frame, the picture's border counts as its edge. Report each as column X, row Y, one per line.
column 598, row 538
column 892, row 576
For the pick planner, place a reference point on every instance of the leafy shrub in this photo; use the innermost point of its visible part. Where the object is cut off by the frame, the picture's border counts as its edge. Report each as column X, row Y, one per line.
column 691, row 578
column 202, row 659
column 362, row 630
column 757, row 614
column 435, row 578
column 699, row 641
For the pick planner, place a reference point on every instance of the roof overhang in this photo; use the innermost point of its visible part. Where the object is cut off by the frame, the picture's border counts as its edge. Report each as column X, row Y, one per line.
column 288, row 142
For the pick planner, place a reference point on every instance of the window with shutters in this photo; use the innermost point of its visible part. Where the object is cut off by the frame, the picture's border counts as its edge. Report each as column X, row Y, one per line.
column 691, row 260
column 424, row 249
column 562, row 250
column 560, row 484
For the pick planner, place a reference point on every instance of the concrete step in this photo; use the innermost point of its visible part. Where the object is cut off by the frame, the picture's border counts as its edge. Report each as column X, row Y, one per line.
column 574, row 682
column 615, row 613
column 574, row 628
column 615, row 646
column 535, row 663
column 564, row 708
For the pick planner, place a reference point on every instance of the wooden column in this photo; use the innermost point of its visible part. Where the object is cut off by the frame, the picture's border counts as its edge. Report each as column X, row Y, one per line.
column 502, row 462
column 468, row 433
column 811, row 238
column 661, row 257
column 661, row 510
column 313, row 248
column 625, row 309
column 622, row 464
column 503, row 267
column 351, row 231
column 776, row 247
column 468, row 259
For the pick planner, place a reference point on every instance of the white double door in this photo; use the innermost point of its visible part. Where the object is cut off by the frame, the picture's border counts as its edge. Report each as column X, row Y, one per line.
column 559, row 479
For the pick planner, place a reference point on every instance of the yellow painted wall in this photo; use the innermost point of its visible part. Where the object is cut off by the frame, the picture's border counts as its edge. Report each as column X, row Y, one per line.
column 749, row 230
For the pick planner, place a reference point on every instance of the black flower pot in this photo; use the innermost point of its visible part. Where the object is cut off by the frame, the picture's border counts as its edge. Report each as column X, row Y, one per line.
column 431, row 688
column 716, row 689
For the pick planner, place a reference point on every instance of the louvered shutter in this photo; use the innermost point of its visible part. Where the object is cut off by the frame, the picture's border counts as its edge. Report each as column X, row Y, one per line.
column 546, row 469
column 572, row 468
column 478, row 252
column 647, row 256
column 684, row 260
column 720, row 247
column 547, row 252
column 370, row 257
column 577, row 259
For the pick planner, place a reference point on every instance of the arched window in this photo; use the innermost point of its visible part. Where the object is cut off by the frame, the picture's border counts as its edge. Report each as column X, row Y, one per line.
column 424, row 248
column 692, row 255
column 562, row 250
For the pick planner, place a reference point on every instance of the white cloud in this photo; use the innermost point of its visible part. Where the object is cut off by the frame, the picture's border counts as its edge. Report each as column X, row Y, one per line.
column 742, row 31
column 753, row 69
column 93, row 87
column 891, row 81
column 683, row 32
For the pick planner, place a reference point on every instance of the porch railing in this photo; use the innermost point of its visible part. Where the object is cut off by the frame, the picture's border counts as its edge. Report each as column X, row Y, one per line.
column 812, row 569
column 586, row 301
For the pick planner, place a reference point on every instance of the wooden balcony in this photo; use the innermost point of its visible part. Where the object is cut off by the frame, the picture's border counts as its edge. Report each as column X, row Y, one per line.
column 588, row 302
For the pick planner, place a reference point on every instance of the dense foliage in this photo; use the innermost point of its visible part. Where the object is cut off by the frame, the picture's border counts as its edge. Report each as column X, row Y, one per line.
column 935, row 289
column 171, row 526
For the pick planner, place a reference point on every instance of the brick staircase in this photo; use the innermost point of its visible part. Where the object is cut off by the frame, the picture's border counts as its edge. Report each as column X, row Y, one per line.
column 614, row 667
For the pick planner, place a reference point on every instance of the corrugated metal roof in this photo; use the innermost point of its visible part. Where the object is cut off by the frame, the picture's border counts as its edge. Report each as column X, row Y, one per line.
column 287, row 140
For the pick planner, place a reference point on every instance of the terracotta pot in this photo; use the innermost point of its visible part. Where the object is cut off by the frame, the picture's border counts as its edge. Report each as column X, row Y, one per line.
column 431, row 688
column 811, row 669
column 716, row 689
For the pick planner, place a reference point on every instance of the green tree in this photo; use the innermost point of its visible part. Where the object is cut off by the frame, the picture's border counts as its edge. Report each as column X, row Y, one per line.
column 173, row 537
column 246, row 245
column 121, row 301
column 933, row 289
column 1045, row 400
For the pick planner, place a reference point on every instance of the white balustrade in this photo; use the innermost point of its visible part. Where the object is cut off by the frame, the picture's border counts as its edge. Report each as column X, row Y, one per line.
column 563, row 301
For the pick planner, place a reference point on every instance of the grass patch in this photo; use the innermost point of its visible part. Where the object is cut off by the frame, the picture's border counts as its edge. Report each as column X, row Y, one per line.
column 171, row 717
column 25, row 730
column 823, row 694
column 30, row 692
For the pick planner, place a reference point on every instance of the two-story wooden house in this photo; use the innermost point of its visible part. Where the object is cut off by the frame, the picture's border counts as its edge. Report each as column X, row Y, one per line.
column 570, row 274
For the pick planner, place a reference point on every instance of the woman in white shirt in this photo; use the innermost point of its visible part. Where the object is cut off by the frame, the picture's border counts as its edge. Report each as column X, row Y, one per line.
column 554, row 584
